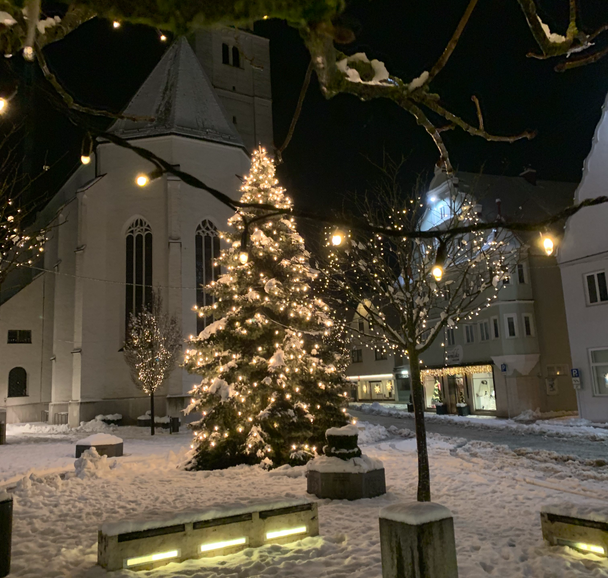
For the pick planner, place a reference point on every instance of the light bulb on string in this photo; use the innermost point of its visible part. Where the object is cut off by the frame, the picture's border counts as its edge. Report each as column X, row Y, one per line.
column 116, row 24
column 337, row 238
column 3, row 105
column 548, row 244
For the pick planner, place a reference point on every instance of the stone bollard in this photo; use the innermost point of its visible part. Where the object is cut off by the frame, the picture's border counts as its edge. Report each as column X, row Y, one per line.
column 6, row 528
column 417, row 541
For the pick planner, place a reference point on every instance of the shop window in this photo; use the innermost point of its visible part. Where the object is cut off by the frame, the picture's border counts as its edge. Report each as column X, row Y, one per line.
column 597, row 291
column 511, row 326
column 449, row 336
column 469, row 333
column 225, row 54
column 521, row 274
column 17, row 382
column 356, row 356
column 495, row 328
column 484, row 395
column 19, row 336
column 484, row 331
column 528, row 325
column 599, row 369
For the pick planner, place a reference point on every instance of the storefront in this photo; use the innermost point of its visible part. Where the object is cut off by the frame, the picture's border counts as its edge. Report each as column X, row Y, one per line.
column 454, row 386
column 379, row 387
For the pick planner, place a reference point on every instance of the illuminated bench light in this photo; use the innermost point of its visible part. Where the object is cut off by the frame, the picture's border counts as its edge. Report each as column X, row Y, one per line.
column 282, row 533
column 220, row 545
column 152, row 558
column 584, row 547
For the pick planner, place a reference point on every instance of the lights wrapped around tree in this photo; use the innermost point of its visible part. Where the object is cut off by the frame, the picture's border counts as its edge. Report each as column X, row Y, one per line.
column 466, row 370
column 272, row 368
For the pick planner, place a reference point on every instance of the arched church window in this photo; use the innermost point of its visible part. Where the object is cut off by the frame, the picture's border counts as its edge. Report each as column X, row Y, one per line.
column 225, row 54
column 207, row 251
column 139, row 267
column 17, row 382
column 236, row 57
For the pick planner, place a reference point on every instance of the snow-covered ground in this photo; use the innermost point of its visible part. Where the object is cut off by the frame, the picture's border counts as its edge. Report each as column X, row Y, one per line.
column 552, row 424
column 494, row 493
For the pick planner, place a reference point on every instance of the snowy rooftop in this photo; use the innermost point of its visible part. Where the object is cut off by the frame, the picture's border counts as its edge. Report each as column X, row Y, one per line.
column 181, row 99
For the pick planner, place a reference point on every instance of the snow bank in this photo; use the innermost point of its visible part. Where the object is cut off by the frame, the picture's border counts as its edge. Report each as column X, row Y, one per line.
column 91, row 465
column 371, row 433
column 347, row 430
column 4, row 496
column 415, row 513
column 330, row 464
column 100, row 439
column 109, row 417
column 188, row 516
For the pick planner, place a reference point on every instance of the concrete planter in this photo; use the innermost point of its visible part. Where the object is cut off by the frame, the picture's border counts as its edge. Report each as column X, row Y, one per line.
column 463, row 410
column 346, row 486
column 441, row 409
column 110, row 450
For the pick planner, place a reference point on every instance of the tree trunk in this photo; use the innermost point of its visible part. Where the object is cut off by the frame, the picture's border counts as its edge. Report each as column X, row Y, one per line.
column 424, row 473
column 152, row 413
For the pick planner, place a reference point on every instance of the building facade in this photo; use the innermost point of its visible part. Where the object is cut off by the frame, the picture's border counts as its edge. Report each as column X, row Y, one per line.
column 113, row 243
column 583, row 260
column 513, row 355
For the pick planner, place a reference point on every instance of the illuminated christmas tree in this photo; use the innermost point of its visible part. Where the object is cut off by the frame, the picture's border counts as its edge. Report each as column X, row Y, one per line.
column 272, row 370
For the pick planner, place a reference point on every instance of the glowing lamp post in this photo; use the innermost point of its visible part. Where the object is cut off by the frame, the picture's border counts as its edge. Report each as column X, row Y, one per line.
column 337, row 238
column 3, row 105
column 548, row 245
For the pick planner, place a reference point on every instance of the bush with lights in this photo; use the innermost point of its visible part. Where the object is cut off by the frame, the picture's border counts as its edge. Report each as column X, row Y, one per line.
column 272, row 370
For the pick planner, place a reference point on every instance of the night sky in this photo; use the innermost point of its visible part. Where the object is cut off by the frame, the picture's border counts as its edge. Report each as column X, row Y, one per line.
column 327, row 157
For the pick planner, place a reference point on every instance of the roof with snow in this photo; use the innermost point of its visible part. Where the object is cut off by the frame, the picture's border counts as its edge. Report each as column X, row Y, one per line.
column 181, row 99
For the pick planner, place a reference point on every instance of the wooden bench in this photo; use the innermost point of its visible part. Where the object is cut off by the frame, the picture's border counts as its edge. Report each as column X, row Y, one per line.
column 142, row 545
column 584, row 528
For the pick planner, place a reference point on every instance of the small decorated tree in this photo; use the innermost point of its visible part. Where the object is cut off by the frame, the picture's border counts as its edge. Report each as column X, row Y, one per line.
column 272, row 371
column 437, row 399
column 153, row 340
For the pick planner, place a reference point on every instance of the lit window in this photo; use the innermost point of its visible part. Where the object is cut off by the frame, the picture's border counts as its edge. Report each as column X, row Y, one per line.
column 597, row 291
column 599, row 369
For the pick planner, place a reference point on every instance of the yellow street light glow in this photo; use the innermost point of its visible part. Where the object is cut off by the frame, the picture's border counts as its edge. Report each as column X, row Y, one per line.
column 225, row 544
column 548, row 245
column 437, row 272
column 589, row 548
column 116, row 24
column 336, row 239
column 85, row 159
column 142, row 180
column 243, row 257
column 163, row 38
column 282, row 533
column 3, row 105
column 152, row 558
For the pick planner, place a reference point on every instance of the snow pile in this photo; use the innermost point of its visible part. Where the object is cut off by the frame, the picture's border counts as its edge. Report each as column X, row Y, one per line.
column 100, row 439
column 6, row 19
column 527, row 416
column 371, row 433
column 15, row 429
column 347, row 430
column 157, row 419
column 415, row 513
column 595, row 511
column 109, row 417
column 381, row 75
column 330, row 464
column 221, row 388
column 212, row 329
column 95, row 425
column 551, row 36
column 4, row 496
column 91, row 465
column 418, row 82
column 277, row 360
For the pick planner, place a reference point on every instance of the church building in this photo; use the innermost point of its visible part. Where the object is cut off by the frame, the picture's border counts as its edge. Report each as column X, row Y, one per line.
column 112, row 243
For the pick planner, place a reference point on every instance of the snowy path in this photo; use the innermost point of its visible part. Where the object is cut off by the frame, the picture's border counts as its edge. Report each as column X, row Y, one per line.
column 494, row 493
column 580, row 447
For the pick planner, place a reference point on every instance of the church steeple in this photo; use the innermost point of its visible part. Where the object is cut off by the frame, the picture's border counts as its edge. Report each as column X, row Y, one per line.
column 180, row 97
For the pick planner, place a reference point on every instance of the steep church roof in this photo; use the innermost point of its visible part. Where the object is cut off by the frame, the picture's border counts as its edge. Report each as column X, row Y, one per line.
column 180, row 97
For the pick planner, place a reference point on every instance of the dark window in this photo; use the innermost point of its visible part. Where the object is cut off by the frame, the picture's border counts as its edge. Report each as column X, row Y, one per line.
column 597, row 291
column 19, row 336
column 361, row 326
column 496, row 328
column 356, row 356
column 234, row 120
column 138, row 268
column 527, row 326
column 17, row 382
column 207, row 251
column 236, row 57
column 450, row 336
column 521, row 274
column 380, row 355
column 225, row 54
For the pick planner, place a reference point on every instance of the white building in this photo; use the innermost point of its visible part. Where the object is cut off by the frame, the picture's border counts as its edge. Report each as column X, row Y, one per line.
column 583, row 259
column 61, row 333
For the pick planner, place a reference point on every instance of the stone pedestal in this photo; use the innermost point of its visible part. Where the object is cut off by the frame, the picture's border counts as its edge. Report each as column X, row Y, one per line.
column 346, row 486
column 105, row 444
column 417, row 541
